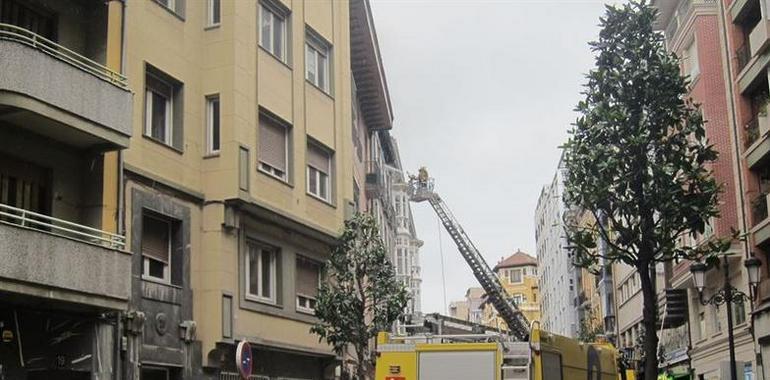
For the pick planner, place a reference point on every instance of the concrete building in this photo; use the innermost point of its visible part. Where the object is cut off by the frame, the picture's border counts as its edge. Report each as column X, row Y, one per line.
column 65, row 118
column 557, row 274
column 518, row 274
column 470, row 308
column 710, row 41
column 407, row 245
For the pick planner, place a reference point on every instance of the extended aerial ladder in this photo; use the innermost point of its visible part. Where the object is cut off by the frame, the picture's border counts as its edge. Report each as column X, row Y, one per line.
column 420, row 190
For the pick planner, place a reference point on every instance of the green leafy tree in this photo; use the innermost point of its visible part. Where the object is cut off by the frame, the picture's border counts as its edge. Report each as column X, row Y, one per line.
column 360, row 295
column 590, row 328
column 637, row 159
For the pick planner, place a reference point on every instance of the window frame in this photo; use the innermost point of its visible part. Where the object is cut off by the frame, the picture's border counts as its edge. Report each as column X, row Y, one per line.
column 210, row 124
column 275, row 14
column 272, row 299
column 267, row 168
column 157, row 369
column 148, row 109
column 312, row 172
column 319, row 47
column 210, row 22
column 166, row 279
column 521, row 276
column 300, row 308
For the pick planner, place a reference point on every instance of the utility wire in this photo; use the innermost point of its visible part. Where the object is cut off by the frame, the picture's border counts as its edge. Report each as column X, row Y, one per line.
column 441, row 253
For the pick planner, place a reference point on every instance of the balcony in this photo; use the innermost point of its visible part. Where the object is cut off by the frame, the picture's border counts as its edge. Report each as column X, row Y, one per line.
column 759, row 217
column 756, row 141
column 758, row 38
column 88, row 107
column 674, row 15
column 52, row 258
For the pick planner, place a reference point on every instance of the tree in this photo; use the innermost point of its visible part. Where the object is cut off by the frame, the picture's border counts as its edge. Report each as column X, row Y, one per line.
column 637, row 159
column 360, row 295
column 590, row 328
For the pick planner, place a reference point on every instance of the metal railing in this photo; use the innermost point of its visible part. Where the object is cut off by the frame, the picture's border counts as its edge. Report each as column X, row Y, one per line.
column 44, row 223
column 14, row 33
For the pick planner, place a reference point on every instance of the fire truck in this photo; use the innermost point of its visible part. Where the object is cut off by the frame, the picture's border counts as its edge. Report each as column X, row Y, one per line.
column 524, row 351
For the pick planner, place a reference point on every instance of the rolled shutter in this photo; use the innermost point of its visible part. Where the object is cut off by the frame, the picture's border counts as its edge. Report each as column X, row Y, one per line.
column 307, row 277
column 155, row 239
column 272, row 144
column 318, row 159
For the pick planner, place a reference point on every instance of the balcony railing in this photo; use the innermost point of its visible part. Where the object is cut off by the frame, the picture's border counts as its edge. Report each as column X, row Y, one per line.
column 683, row 12
column 50, row 225
column 759, row 209
column 14, row 33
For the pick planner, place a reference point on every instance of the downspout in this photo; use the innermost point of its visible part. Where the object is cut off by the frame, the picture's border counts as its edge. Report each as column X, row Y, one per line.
column 739, row 167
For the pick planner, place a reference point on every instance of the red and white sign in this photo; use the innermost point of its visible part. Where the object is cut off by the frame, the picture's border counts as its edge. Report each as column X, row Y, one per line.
column 244, row 359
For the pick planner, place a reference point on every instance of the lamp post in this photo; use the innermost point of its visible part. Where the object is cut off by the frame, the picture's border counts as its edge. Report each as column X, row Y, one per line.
column 727, row 295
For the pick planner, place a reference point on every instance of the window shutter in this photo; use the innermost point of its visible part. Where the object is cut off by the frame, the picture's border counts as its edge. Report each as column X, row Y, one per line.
column 318, row 159
column 307, row 277
column 155, row 239
column 272, row 144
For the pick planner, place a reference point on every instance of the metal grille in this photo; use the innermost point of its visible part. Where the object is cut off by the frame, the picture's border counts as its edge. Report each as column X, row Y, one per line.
column 236, row 376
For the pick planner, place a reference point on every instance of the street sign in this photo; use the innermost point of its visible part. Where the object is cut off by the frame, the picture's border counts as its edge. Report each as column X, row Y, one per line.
column 243, row 359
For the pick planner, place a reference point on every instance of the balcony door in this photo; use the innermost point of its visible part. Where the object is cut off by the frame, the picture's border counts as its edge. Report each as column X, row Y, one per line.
column 24, row 185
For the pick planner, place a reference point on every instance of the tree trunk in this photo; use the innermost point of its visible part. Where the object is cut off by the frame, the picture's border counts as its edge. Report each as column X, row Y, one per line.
column 649, row 313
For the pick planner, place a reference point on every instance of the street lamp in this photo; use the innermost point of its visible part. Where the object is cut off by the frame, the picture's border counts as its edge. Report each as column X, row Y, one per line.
column 727, row 295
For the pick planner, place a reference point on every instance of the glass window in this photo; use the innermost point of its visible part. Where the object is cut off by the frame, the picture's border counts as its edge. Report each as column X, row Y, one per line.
column 273, row 148
column 308, row 279
column 516, row 276
column 212, row 124
column 272, row 32
column 739, row 312
column 261, row 272
column 317, row 62
column 318, row 169
column 156, row 248
column 551, row 365
column 214, row 12
column 158, row 109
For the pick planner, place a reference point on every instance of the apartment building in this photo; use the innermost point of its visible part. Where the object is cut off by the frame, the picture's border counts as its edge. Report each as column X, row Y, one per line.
column 471, row 307
column 695, row 31
column 240, row 176
column 557, row 274
column 518, row 274
column 407, row 245
column 65, row 118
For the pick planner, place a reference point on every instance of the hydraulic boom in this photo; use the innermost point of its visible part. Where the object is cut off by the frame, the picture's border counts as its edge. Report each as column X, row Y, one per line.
column 421, row 189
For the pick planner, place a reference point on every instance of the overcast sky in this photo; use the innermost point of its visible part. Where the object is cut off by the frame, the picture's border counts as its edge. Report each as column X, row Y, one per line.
column 482, row 93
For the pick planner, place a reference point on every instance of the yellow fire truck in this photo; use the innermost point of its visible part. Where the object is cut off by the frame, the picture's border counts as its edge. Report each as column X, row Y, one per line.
column 524, row 352
column 495, row 357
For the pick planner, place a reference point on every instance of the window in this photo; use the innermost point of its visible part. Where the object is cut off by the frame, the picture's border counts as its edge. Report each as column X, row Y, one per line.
column 691, row 64
column 739, row 312
column 273, row 147
column 154, row 373
column 158, row 109
column 308, row 280
column 516, row 276
column 214, row 12
column 243, row 169
column 272, row 31
column 702, row 325
column 715, row 319
column 261, row 273
column 16, row 12
column 163, row 108
column 156, row 248
column 227, row 316
column 213, row 136
column 519, row 299
column 176, row 6
column 318, row 169
column 317, row 62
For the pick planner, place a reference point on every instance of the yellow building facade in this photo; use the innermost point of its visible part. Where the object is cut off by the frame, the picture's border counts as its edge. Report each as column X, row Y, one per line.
column 237, row 181
column 518, row 274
